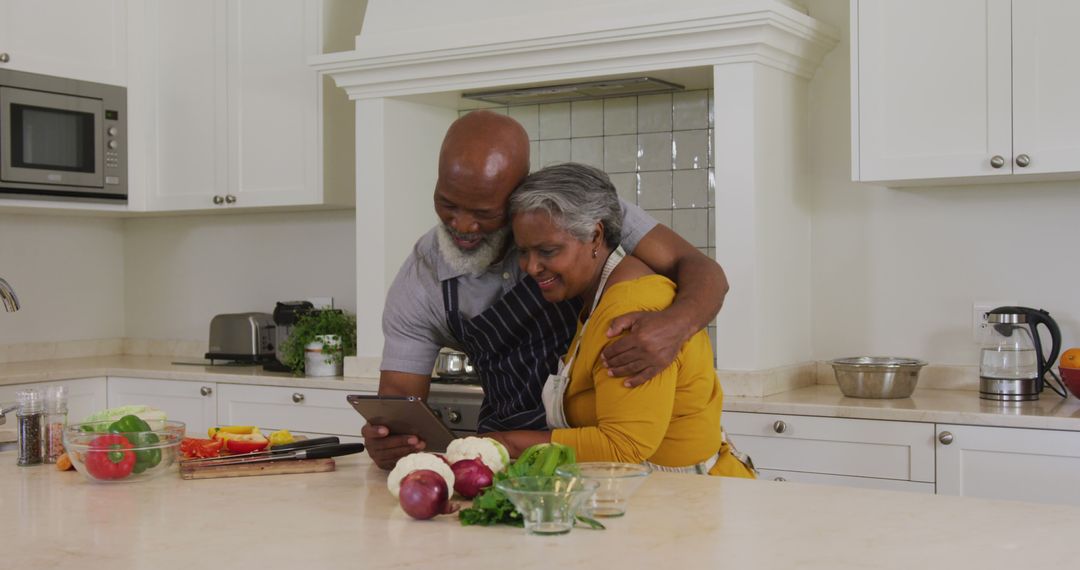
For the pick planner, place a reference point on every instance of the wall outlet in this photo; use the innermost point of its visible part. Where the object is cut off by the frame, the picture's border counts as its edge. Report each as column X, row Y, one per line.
column 978, row 317
column 326, row 302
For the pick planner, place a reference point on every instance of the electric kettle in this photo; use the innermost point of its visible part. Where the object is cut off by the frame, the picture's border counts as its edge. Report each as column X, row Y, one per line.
column 1013, row 364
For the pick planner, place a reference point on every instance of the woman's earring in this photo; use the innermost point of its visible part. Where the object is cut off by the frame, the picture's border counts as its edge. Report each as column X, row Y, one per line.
column 594, row 253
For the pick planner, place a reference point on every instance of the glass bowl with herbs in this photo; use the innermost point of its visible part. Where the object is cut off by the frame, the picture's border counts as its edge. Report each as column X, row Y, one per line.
column 125, row 450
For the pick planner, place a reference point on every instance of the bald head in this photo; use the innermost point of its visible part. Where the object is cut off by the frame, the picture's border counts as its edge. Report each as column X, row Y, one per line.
column 485, row 151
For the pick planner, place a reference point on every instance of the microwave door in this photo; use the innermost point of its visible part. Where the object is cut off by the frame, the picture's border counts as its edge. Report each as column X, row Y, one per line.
column 51, row 139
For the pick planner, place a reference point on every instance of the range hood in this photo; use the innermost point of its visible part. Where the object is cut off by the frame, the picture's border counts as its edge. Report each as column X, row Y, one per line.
column 574, row 91
column 414, row 61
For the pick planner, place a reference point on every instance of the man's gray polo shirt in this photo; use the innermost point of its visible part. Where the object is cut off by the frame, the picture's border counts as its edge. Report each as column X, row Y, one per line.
column 414, row 318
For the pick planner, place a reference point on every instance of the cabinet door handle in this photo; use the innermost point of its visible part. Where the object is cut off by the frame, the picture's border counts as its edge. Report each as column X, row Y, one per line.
column 218, row 200
column 4, row 57
column 779, row 426
column 230, row 199
column 1022, row 160
column 297, row 397
column 997, row 161
column 781, row 479
column 945, row 438
column 206, row 390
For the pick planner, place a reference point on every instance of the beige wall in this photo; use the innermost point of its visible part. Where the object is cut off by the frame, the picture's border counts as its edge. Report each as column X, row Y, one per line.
column 895, row 271
column 181, row 271
column 69, row 275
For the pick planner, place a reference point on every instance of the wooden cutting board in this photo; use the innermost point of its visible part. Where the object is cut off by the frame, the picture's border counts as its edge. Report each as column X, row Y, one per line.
column 284, row 467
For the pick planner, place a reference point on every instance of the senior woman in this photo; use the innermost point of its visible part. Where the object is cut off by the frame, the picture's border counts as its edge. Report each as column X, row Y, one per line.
column 566, row 223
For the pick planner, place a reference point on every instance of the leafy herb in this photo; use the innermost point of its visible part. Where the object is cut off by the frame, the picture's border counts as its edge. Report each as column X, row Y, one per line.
column 315, row 323
column 490, row 507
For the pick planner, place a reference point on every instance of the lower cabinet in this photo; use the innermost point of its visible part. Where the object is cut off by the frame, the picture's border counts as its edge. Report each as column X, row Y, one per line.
column 1034, row 465
column 194, row 403
column 85, row 396
column 837, row 451
column 303, row 411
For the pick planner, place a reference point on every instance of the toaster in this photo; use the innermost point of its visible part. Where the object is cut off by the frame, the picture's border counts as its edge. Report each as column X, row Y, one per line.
column 242, row 337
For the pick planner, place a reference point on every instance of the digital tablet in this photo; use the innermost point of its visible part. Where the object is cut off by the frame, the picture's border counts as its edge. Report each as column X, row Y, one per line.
column 404, row 415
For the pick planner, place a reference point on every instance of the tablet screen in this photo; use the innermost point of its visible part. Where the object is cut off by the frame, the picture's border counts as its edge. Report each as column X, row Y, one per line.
column 404, row 415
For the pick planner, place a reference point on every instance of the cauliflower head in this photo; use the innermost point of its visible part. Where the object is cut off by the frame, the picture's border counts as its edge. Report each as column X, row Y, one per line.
column 489, row 451
column 416, row 462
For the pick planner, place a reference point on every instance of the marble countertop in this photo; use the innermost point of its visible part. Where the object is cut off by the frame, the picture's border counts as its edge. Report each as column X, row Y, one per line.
column 347, row 518
column 164, row 368
column 926, row 405
column 936, row 406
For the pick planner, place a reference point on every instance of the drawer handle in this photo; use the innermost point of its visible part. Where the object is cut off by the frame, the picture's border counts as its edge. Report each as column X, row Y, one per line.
column 297, row 397
column 779, row 426
column 206, row 390
column 4, row 58
column 945, row 438
column 781, row 479
column 997, row 161
column 1023, row 160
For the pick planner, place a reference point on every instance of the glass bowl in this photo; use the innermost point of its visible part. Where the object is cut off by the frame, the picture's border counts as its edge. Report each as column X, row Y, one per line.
column 616, row 483
column 102, row 456
column 547, row 504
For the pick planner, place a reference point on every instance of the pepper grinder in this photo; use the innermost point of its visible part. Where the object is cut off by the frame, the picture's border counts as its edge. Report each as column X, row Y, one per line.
column 30, row 416
column 55, row 421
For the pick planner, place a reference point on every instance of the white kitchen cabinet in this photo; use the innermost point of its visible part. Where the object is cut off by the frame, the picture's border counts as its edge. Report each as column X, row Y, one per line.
column 964, row 91
column 300, row 410
column 845, row 481
column 85, row 395
column 232, row 116
column 194, row 403
column 1009, row 463
column 78, row 39
column 878, row 454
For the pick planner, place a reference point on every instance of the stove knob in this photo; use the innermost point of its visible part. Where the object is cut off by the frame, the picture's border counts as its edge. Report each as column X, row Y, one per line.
column 455, row 417
column 437, row 413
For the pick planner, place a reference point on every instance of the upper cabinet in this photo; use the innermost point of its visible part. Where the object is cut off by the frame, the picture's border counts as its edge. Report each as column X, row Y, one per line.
column 229, row 113
column 79, row 39
column 964, row 91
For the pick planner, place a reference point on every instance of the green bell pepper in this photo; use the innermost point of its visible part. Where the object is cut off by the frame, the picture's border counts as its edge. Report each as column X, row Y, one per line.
column 138, row 432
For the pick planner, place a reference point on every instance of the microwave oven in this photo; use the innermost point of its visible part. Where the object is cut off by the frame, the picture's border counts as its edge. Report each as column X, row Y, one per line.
column 62, row 139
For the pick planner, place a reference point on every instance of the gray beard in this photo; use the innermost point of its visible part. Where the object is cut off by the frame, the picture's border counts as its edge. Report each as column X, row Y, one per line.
column 476, row 261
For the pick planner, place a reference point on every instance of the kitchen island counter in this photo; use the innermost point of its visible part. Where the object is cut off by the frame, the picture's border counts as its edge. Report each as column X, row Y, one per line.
column 347, row 518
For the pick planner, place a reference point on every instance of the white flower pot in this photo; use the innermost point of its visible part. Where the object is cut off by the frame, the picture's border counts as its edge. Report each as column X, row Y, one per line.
column 317, row 353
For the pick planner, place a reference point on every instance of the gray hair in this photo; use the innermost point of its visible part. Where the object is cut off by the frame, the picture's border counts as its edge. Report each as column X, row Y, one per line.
column 576, row 196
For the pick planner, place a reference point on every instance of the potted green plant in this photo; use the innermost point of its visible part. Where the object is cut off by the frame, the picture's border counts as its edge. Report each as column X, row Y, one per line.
column 327, row 336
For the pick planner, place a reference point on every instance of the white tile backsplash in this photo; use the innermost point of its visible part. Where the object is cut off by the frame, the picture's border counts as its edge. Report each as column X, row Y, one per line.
column 655, row 190
column 691, row 110
column 587, row 118
column 654, row 113
column 620, row 115
column 588, row 150
column 554, row 152
column 529, row 117
column 554, row 121
column 620, row 153
column 657, row 149
column 691, row 149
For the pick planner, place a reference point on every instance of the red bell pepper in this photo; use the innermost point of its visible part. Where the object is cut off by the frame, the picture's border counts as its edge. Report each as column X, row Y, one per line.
column 110, row 457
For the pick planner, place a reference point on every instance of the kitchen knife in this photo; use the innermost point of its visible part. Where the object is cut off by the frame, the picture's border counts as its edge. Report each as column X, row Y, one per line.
column 301, row 444
column 319, row 452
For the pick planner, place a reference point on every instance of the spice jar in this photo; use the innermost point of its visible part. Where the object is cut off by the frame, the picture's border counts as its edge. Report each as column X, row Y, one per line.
column 55, row 421
column 30, row 419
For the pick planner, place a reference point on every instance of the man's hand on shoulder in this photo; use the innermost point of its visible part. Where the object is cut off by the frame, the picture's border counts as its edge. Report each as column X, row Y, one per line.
column 651, row 342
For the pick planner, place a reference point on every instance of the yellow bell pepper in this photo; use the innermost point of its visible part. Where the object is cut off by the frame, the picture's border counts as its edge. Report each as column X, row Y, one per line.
column 223, row 432
column 281, row 437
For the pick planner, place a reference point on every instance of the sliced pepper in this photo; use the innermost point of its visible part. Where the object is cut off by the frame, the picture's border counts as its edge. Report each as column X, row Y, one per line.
column 246, row 443
column 281, row 437
column 139, row 434
column 215, row 431
column 200, row 448
column 110, row 457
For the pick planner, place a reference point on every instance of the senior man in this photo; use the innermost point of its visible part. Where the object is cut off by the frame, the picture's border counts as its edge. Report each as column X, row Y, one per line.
column 462, row 287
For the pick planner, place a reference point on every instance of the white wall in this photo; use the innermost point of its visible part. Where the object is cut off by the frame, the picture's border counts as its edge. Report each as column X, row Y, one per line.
column 895, row 271
column 181, row 271
column 69, row 275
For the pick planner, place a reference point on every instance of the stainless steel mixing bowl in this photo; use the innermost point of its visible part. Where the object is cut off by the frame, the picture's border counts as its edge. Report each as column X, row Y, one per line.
column 877, row 376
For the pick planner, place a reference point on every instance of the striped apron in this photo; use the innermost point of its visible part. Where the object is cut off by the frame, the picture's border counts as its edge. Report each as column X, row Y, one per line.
column 513, row 345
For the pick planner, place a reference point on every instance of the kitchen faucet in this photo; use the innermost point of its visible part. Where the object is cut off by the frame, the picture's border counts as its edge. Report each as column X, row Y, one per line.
column 11, row 301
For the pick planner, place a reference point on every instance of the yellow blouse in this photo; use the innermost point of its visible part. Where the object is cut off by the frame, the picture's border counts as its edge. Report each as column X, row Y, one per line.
column 671, row 420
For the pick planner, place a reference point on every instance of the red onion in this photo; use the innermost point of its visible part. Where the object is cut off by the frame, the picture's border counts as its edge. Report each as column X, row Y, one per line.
column 470, row 477
column 424, row 494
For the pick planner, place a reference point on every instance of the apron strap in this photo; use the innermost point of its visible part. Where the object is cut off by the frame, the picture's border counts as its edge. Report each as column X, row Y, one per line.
column 612, row 261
